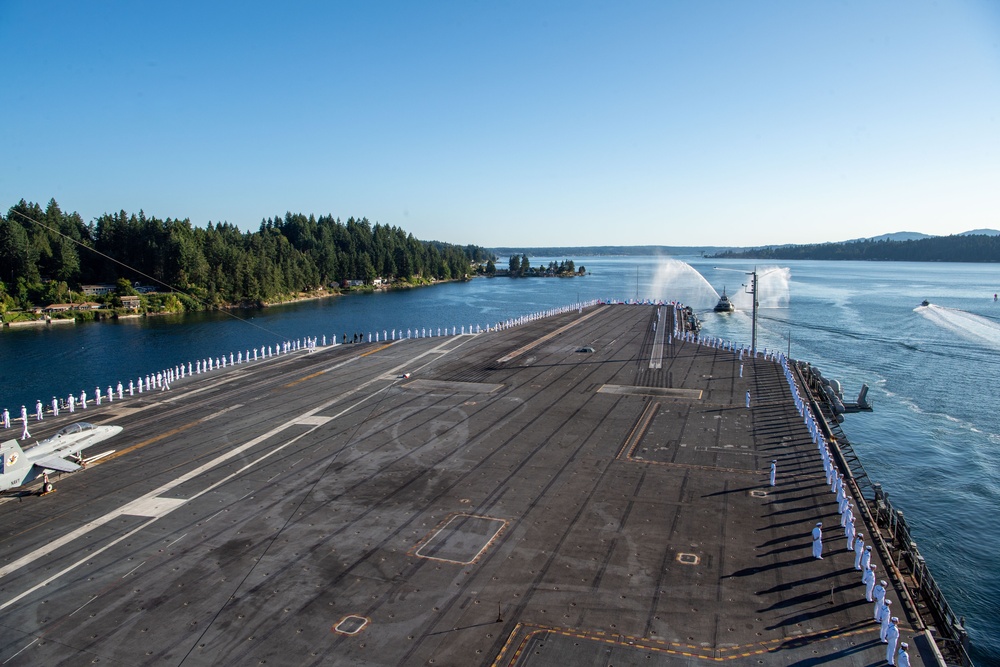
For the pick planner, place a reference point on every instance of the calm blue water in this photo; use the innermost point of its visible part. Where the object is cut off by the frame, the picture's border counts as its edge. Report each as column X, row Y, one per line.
column 932, row 440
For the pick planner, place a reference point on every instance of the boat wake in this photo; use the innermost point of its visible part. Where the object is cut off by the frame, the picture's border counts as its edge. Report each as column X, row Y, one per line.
column 968, row 326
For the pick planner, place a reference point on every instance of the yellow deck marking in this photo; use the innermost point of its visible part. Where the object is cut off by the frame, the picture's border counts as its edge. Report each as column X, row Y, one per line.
column 377, row 349
column 302, row 379
column 155, row 438
column 327, row 370
column 660, row 646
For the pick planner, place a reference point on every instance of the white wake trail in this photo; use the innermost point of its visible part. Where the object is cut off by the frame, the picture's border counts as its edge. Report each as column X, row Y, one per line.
column 968, row 326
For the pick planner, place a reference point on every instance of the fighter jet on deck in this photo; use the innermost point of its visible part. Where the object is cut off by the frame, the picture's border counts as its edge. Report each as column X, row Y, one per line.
column 63, row 452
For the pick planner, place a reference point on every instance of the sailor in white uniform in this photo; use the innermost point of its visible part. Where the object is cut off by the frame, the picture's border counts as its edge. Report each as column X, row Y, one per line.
column 6, row 418
column 885, row 620
column 892, row 637
column 38, row 410
column 866, row 559
column 859, row 550
column 55, row 406
column 902, row 657
column 817, row 535
column 869, row 581
column 774, row 471
column 24, row 419
column 879, row 594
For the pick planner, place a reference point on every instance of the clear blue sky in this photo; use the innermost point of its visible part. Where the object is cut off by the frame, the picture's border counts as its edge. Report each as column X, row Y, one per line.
column 513, row 123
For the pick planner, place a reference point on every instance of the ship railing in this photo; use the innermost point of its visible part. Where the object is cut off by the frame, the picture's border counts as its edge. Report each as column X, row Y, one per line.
column 924, row 588
column 898, row 546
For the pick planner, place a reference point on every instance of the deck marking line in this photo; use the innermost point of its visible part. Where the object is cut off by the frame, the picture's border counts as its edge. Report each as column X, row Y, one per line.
column 92, row 598
column 21, row 651
column 552, row 334
column 75, row 565
column 656, row 357
column 57, row 543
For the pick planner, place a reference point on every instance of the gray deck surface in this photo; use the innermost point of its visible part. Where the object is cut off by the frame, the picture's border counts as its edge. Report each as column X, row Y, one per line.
column 554, row 508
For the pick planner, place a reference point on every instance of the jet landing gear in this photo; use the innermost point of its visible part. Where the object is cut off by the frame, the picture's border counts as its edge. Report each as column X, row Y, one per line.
column 47, row 486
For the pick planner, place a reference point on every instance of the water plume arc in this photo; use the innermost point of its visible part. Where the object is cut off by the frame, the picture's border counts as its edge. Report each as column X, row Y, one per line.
column 677, row 280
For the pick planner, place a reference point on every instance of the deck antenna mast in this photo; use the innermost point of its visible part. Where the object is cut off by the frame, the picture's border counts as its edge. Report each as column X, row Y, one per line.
column 753, row 293
column 751, row 289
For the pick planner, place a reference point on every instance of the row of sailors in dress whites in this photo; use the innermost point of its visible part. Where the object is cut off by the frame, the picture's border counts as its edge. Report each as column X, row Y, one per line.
column 160, row 380
column 874, row 593
column 729, row 346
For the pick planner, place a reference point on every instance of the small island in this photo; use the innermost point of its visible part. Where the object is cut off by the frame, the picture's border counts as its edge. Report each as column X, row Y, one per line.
column 519, row 266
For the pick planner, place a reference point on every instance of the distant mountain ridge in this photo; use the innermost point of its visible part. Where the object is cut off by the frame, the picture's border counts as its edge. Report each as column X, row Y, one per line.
column 894, row 236
column 916, row 236
column 978, row 245
column 975, row 246
column 604, row 250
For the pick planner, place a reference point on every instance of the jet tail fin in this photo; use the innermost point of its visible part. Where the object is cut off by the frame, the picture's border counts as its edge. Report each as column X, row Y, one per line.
column 13, row 457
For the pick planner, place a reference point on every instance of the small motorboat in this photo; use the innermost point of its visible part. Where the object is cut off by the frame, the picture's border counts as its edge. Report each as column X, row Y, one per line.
column 925, row 303
column 724, row 305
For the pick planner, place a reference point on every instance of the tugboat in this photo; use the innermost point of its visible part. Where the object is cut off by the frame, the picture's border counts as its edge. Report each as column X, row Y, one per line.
column 724, row 305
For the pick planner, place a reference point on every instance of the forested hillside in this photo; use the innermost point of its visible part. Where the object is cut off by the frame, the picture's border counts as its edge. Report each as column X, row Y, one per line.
column 45, row 253
column 956, row 248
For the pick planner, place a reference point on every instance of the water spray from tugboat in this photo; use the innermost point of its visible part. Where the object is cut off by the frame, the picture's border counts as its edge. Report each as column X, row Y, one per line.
column 674, row 279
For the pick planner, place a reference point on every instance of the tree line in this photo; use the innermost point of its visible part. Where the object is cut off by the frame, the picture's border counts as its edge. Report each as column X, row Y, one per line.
column 956, row 248
column 47, row 253
column 520, row 266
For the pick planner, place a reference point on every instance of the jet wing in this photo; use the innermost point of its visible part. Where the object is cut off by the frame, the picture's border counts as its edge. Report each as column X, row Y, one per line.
column 57, row 463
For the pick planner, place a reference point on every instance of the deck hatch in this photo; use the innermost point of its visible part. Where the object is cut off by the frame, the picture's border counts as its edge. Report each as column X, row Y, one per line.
column 462, row 539
column 688, row 559
column 351, row 625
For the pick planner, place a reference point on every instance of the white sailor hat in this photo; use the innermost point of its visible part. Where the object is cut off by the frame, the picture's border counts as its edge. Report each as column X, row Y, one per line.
column 860, row 536
column 819, row 523
column 894, row 619
column 904, row 645
column 868, row 548
column 882, row 581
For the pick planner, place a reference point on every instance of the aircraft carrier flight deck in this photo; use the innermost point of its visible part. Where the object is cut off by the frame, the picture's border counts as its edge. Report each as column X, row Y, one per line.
column 578, row 490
